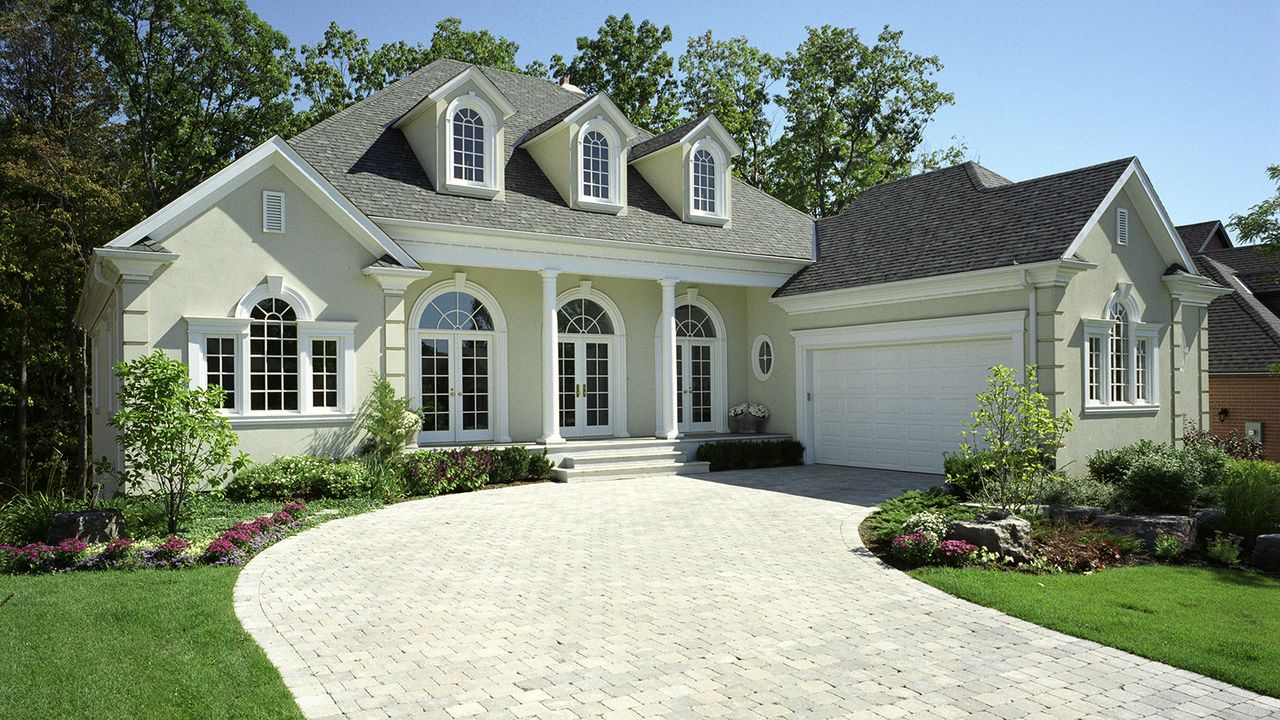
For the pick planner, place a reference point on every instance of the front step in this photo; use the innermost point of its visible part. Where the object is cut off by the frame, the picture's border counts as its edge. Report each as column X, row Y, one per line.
column 624, row 459
column 628, row 470
column 629, row 455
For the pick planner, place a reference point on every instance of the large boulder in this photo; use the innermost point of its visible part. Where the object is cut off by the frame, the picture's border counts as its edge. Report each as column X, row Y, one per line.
column 1266, row 552
column 91, row 526
column 1147, row 528
column 1209, row 522
column 1002, row 533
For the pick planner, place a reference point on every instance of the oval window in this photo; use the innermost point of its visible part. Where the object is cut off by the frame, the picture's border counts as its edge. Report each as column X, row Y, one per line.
column 762, row 357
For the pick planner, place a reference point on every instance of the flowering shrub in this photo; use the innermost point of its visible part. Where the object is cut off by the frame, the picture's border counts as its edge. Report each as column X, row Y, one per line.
column 294, row 507
column 169, row 554
column 25, row 559
column 67, row 553
column 238, row 536
column 114, row 555
column 932, row 524
column 914, row 548
column 436, row 472
column 955, row 552
column 749, row 408
column 283, row 517
column 222, row 552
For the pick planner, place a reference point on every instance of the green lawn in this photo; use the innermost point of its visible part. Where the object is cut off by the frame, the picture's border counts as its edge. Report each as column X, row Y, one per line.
column 145, row 644
column 1217, row 622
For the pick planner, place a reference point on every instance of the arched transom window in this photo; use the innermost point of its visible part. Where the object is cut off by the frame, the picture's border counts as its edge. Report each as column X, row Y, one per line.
column 273, row 356
column 704, row 181
column 584, row 317
column 468, row 145
column 694, row 322
column 595, row 165
column 456, row 310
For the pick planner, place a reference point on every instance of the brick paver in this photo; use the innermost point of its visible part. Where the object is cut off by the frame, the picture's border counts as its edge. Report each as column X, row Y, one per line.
column 737, row 595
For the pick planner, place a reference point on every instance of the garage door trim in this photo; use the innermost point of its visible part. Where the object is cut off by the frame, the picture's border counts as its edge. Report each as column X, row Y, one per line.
column 1010, row 325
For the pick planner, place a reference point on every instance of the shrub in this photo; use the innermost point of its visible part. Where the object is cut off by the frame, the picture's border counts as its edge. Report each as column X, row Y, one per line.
column 26, row 518
column 1235, row 444
column 1017, row 435
column 965, row 473
column 284, row 478
column 387, row 420
column 1062, row 490
column 172, row 436
column 1224, row 549
column 933, row 524
column 731, row 455
column 344, row 479
column 1167, row 546
column 516, row 463
column 171, row 554
column 436, row 472
column 1251, row 499
column 893, row 513
column 1162, row 481
column 1110, row 465
column 914, row 549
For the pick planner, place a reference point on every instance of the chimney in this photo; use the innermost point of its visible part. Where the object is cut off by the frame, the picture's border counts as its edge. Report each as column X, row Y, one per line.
column 564, row 83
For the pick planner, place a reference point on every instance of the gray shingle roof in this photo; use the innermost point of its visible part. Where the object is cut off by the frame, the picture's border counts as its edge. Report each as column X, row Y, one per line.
column 373, row 165
column 670, row 137
column 954, row 220
column 1244, row 334
column 1195, row 234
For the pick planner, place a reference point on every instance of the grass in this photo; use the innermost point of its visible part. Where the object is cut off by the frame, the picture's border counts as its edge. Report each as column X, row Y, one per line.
column 209, row 516
column 145, row 644
column 1217, row 622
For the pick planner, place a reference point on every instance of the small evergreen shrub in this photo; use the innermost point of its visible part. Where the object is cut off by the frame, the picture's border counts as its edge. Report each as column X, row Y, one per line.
column 387, row 421
column 731, row 455
column 1251, row 499
column 1062, row 490
column 516, row 463
column 888, row 521
column 349, row 478
column 966, row 474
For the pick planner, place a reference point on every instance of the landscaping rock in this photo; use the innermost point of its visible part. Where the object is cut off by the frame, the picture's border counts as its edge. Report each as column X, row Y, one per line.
column 1266, row 552
column 91, row 526
column 1008, row 535
column 1147, row 528
column 1074, row 514
column 1209, row 522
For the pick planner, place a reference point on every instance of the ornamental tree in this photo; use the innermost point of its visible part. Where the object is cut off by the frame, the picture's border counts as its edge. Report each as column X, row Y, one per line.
column 1016, row 437
column 174, row 437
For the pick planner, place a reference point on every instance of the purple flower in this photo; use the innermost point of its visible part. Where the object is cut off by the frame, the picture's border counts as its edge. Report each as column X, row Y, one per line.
column 294, row 507
column 284, row 518
column 71, row 545
column 910, row 539
column 953, row 548
column 118, row 548
column 28, row 558
column 237, row 536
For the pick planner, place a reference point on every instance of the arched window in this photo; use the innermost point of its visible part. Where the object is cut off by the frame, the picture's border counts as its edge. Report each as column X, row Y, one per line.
column 584, row 317
column 1120, row 357
column 704, row 181
column 1119, row 347
column 694, row 322
column 595, row 165
column 456, row 310
column 273, row 356
column 468, row 145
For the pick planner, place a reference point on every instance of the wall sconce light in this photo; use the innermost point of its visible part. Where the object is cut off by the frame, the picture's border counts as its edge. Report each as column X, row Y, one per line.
column 1222, row 415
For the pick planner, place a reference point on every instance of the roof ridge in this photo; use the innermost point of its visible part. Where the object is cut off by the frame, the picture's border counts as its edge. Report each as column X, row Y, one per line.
column 1254, row 307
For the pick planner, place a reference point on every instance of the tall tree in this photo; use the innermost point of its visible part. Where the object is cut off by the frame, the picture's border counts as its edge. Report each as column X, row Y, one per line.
column 201, row 82
column 628, row 62
column 731, row 78
column 342, row 68
column 65, row 187
column 1261, row 224
column 855, row 116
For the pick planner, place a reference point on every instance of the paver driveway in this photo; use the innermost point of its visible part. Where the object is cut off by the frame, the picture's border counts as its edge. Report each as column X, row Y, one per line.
column 737, row 595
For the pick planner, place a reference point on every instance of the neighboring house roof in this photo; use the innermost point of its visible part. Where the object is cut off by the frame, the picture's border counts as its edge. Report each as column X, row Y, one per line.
column 373, row 165
column 959, row 219
column 1200, row 237
column 1244, row 333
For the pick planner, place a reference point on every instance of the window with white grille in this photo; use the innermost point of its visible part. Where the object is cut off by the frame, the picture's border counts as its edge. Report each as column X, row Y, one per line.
column 1120, row 356
column 220, row 367
column 704, row 182
column 595, row 166
column 272, row 211
column 324, row 373
column 468, row 145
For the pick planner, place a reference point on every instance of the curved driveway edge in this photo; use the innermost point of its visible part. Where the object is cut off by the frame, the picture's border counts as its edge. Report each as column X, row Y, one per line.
column 736, row 595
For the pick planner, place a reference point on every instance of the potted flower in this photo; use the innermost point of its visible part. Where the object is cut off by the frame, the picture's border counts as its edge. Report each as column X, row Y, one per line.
column 748, row 417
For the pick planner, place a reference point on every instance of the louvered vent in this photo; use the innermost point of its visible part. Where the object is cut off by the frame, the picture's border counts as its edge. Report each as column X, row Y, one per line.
column 272, row 211
column 1122, row 226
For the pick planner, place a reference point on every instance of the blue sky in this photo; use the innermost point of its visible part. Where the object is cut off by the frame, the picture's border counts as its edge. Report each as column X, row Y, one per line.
column 1191, row 88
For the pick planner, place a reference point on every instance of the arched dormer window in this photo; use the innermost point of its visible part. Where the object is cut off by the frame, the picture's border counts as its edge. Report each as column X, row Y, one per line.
column 704, row 181
column 1120, row 353
column 599, row 181
column 471, row 147
column 708, row 182
column 468, row 145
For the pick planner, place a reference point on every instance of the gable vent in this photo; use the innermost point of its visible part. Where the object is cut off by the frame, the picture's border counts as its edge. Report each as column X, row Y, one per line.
column 1122, row 226
column 272, row 211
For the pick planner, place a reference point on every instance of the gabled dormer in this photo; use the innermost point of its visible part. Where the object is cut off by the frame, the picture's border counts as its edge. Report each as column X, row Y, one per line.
column 457, row 133
column 689, row 167
column 583, row 151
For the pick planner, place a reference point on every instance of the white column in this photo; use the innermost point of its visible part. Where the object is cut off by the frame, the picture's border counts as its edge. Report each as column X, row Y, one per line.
column 550, row 352
column 669, row 427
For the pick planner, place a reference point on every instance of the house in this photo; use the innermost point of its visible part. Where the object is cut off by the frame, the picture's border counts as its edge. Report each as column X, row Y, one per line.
column 1244, row 396
column 528, row 266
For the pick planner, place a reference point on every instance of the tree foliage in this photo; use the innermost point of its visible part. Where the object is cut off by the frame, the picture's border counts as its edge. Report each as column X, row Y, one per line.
column 855, row 116
column 1261, row 224
column 174, row 437
column 731, row 79
column 627, row 62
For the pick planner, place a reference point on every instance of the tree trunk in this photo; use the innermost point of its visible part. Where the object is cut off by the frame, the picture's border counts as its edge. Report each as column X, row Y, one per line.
column 82, row 394
column 24, row 341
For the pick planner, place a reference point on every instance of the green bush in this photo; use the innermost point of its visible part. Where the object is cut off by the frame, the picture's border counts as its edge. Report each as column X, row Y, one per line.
column 731, row 455
column 345, row 479
column 436, row 472
column 1110, row 465
column 1251, row 499
column 1154, row 477
column 284, row 478
column 932, row 524
column 1059, row 489
column 26, row 518
column 965, row 473
column 894, row 513
column 516, row 463
column 387, row 420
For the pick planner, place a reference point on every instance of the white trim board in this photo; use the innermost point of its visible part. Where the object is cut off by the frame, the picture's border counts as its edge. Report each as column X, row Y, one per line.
column 272, row 153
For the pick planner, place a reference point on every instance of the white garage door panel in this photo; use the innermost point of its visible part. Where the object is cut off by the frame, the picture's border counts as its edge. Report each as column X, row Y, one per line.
column 901, row 406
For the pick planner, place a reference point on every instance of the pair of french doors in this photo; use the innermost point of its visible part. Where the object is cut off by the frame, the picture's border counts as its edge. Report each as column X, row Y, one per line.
column 585, row 386
column 457, row 382
column 694, row 406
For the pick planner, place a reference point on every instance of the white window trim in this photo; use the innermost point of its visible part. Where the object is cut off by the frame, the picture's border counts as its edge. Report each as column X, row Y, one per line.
column 755, row 357
column 721, row 216
column 489, row 188
column 617, row 194
column 618, row 359
column 1138, row 331
column 719, row 360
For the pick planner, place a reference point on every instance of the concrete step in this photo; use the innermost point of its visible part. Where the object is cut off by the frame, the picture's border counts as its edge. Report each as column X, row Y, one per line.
column 626, row 470
column 626, row 455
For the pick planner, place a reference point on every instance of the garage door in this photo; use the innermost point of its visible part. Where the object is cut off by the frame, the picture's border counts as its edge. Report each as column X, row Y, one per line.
column 898, row 407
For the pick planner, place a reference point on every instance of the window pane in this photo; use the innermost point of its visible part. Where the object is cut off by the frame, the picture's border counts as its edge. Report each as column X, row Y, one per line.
column 1140, row 371
column 584, row 317
column 704, row 182
column 1120, row 357
column 595, row 166
column 693, row 321
column 220, row 361
column 456, row 311
column 273, row 356
column 468, row 145
column 1094, row 369
column 324, row 373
